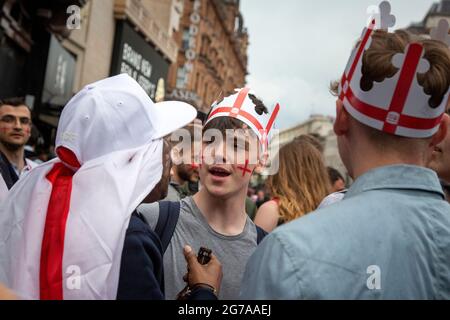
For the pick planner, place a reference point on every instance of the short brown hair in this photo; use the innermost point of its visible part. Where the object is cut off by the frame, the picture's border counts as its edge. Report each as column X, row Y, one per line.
column 14, row 101
column 377, row 65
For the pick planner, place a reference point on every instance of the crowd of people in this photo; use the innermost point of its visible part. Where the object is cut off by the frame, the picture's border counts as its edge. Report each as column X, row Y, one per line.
column 125, row 205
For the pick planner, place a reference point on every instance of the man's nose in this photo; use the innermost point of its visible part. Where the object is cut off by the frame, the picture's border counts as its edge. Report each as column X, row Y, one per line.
column 218, row 154
column 17, row 124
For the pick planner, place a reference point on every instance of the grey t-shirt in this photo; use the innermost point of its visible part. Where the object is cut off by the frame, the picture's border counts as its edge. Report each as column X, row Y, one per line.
column 193, row 229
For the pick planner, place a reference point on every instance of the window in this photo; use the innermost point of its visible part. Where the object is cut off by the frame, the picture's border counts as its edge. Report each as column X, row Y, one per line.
column 185, row 44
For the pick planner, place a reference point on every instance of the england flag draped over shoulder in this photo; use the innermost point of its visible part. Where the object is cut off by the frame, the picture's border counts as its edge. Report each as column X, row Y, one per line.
column 62, row 227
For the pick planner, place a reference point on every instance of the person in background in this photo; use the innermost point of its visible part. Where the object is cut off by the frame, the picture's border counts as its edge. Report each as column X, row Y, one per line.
column 314, row 140
column 299, row 186
column 184, row 176
column 337, row 187
column 440, row 160
column 15, row 131
column 336, row 179
column 261, row 197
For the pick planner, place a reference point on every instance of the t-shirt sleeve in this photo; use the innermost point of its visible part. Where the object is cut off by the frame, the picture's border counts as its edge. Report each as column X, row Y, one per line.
column 150, row 212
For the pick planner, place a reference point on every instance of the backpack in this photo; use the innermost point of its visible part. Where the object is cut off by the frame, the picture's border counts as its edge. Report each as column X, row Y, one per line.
column 169, row 213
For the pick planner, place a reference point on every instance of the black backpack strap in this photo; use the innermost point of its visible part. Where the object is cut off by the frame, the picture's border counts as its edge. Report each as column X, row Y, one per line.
column 260, row 234
column 169, row 212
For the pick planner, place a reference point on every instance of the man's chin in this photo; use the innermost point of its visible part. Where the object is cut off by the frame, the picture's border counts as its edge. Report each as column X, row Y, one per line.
column 217, row 192
column 12, row 145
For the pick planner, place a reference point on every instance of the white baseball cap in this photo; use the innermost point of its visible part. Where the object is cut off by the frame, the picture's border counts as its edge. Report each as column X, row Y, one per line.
column 117, row 114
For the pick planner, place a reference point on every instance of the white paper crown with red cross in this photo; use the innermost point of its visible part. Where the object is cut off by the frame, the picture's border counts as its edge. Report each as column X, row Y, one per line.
column 241, row 107
column 398, row 105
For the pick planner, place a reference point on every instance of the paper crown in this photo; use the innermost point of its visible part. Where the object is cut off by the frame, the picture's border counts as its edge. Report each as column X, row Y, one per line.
column 398, row 105
column 241, row 107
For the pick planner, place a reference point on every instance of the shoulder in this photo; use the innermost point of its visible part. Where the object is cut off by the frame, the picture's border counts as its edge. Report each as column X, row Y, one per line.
column 139, row 236
column 267, row 216
column 172, row 194
column 31, row 163
column 269, row 209
column 150, row 211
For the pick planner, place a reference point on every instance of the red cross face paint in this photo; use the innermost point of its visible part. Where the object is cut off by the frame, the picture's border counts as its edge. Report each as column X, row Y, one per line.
column 245, row 169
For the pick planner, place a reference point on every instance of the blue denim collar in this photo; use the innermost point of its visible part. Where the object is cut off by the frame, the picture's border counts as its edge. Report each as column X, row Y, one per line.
column 404, row 177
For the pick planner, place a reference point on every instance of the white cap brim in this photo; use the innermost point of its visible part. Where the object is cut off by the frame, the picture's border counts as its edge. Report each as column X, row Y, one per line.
column 173, row 115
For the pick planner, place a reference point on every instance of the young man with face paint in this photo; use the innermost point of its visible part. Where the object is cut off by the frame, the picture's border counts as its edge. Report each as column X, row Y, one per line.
column 15, row 131
column 215, row 217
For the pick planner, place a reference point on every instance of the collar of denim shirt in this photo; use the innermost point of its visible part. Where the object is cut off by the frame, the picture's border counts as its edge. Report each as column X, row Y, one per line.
column 399, row 177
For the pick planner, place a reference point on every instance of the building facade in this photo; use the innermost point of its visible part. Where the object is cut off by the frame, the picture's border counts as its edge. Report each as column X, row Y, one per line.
column 33, row 63
column 320, row 127
column 68, row 44
column 212, row 58
column 439, row 10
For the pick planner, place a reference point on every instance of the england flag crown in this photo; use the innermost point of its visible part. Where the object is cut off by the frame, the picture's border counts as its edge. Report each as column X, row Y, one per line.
column 397, row 105
column 244, row 106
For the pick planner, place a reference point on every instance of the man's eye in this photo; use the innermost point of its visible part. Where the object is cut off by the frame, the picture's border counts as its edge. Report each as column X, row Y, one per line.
column 25, row 121
column 8, row 119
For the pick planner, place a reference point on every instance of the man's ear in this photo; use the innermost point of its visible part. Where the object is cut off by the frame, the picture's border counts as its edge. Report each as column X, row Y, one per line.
column 341, row 125
column 440, row 135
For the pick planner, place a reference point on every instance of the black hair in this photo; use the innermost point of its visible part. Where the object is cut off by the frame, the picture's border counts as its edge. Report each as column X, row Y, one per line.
column 14, row 101
column 334, row 175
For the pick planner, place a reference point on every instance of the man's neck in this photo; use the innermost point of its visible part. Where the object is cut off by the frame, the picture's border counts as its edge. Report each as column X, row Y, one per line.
column 367, row 160
column 16, row 157
column 225, row 216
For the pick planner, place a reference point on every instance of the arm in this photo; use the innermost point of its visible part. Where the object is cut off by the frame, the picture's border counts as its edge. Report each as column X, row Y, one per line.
column 267, row 216
column 141, row 271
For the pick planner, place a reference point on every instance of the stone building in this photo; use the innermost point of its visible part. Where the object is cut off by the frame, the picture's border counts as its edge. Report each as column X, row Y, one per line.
column 212, row 58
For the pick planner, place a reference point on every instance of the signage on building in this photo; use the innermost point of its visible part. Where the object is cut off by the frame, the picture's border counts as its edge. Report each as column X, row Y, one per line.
column 139, row 59
column 191, row 50
column 59, row 76
column 185, row 95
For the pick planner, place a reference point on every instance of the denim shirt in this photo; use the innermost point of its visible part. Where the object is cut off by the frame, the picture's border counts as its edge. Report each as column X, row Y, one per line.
column 388, row 239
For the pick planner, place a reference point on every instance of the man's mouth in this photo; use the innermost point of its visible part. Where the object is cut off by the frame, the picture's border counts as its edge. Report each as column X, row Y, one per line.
column 219, row 172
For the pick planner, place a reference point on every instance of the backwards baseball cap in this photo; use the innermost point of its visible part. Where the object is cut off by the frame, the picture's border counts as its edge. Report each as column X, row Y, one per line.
column 117, row 114
column 397, row 105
